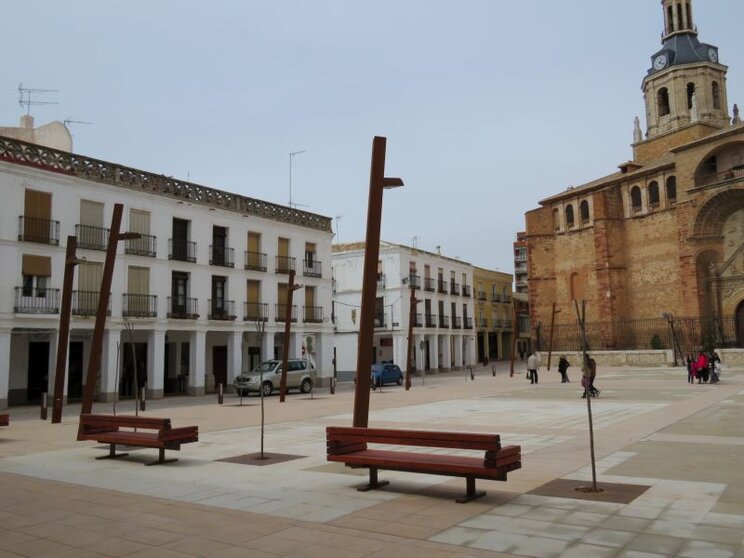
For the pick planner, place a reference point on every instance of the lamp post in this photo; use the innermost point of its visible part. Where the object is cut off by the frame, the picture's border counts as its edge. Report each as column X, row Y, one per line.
column 411, row 318
column 291, row 288
column 377, row 183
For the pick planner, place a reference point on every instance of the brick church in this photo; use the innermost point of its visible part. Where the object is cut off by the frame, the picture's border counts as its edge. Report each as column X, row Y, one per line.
column 665, row 233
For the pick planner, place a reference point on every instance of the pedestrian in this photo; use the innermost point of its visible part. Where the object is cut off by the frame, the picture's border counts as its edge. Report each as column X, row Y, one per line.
column 701, row 365
column 563, row 365
column 521, row 354
column 587, row 379
column 533, row 364
column 690, row 369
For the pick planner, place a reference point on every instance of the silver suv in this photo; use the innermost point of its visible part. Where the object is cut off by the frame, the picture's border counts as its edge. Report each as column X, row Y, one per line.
column 300, row 375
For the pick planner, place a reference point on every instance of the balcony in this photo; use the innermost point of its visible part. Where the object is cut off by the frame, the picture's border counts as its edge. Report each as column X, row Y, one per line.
column 730, row 175
column 255, row 261
column 380, row 322
column 466, row 291
column 183, row 308
column 519, row 257
column 482, row 296
column 284, row 264
column 181, row 250
column 146, row 245
column 255, row 312
column 418, row 320
column 312, row 268
column 442, row 286
column 414, row 280
column 36, row 301
column 312, row 314
column 139, row 306
column 91, row 237
column 483, row 323
column 280, row 313
column 444, row 321
column 220, row 309
column 221, row 255
column 495, row 297
column 454, row 288
column 431, row 320
column 429, row 284
column 43, row 231
column 85, row 303
column 467, row 322
column 456, row 322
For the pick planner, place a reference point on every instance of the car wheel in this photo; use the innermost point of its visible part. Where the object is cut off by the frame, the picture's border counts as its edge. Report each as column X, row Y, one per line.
column 267, row 388
column 399, row 381
column 306, row 386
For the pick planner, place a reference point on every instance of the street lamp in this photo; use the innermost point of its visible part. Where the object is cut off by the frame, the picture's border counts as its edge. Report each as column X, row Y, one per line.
column 377, row 183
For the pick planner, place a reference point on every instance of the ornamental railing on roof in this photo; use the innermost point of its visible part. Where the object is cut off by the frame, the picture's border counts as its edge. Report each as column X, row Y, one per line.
column 38, row 156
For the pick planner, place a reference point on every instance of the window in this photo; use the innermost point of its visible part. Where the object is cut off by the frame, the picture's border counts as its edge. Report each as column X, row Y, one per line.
column 569, row 216
column 556, row 219
column 34, row 285
column 35, row 270
column 662, row 102
column 671, row 189
column 716, row 90
column 690, row 94
column 636, row 203
column 653, row 194
column 584, row 210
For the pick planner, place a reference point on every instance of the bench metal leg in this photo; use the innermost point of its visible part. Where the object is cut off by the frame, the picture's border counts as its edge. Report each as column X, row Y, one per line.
column 471, row 493
column 373, row 481
column 161, row 459
column 112, row 453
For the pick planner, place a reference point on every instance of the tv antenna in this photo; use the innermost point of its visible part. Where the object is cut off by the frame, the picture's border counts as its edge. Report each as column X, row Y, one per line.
column 67, row 122
column 292, row 155
column 338, row 236
column 28, row 97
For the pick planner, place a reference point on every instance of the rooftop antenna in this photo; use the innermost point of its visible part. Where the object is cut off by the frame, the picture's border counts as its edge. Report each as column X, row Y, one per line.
column 338, row 235
column 28, row 97
column 292, row 155
column 414, row 242
column 67, row 123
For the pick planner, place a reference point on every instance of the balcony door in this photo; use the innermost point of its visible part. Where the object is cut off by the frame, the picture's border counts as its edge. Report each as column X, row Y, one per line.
column 218, row 294
column 138, row 290
column 90, row 276
column 179, row 292
column 219, row 243
column 180, row 239
column 37, row 212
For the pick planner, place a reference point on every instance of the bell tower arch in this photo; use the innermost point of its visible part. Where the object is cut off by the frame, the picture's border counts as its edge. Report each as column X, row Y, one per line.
column 686, row 83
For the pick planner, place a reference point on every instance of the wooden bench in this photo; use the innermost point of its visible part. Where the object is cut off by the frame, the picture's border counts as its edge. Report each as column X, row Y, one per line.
column 4, row 419
column 107, row 429
column 349, row 445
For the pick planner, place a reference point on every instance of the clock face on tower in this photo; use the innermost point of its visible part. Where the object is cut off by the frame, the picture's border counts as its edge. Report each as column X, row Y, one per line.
column 712, row 55
column 660, row 62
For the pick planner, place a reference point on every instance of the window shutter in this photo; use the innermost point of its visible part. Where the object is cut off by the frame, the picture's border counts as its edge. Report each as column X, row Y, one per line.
column 91, row 213
column 37, row 265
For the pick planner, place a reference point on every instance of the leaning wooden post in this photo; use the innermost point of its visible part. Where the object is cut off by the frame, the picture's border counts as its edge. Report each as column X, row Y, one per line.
column 515, row 334
column 586, row 370
column 64, row 329
column 550, row 341
column 291, row 288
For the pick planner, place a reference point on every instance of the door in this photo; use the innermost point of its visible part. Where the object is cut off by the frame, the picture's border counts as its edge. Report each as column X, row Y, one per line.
column 179, row 289
column 219, row 243
column 38, row 370
column 254, row 357
column 740, row 325
column 37, row 213
column 219, row 365
column 218, row 296
column 180, row 239
column 90, row 276
column 133, row 375
column 75, row 371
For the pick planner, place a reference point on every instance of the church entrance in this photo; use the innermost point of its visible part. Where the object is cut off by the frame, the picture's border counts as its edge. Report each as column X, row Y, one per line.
column 739, row 318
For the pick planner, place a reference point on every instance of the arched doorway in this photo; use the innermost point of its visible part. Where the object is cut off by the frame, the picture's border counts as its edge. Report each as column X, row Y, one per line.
column 739, row 318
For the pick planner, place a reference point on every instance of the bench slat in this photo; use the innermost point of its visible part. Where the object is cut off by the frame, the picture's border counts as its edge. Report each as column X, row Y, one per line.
column 126, row 421
column 421, row 438
column 335, row 431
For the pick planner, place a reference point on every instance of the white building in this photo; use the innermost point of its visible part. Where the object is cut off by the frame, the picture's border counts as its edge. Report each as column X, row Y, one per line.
column 443, row 334
column 209, row 267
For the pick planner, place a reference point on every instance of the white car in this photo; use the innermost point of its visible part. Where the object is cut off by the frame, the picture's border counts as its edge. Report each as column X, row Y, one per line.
column 300, row 375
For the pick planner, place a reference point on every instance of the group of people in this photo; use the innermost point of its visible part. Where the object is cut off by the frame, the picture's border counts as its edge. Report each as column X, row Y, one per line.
column 587, row 380
column 706, row 367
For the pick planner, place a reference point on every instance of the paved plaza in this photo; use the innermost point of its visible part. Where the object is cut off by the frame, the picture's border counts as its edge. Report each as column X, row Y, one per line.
column 682, row 444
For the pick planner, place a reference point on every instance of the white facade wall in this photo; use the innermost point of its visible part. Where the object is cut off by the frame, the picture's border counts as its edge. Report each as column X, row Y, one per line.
column 18, row 329
column 435, row 347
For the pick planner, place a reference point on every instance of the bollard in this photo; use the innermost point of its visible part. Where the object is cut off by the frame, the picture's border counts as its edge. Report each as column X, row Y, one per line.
column 220, row 393
column 43, row 406
column 142, row 398
column 472, row 374
column 333, row 385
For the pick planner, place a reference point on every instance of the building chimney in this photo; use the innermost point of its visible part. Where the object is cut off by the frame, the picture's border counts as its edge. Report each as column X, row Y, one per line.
column 27, row 121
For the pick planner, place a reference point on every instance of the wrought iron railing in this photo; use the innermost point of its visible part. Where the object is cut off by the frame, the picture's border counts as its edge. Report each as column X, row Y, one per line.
column 380, row 322
column 255, row 261
column 183, row 308
column 431, row 320
column 36, row 301
column 221, row 255
column 139, row 306
column 145, row 245
column 467, row 322
column 32, row 229
column 284, row 264
column 255, row 311
column 483, row 322
column 443, row 321
column 466, row 290
column 220, row 309
column 482, row 295
column 312, row 268
column 280, row 313
column 418, row 320
column 456, row 322
column 92, row 237
column 414, row 281
column 442, row 286
column 181, row 250
column 312, row 314
column 85, row 303
column 429, row 284
column 33, row 155
column 720, row 177
column 454, row 288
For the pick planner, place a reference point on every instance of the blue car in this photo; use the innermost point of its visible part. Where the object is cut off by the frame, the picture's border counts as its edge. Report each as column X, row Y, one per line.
column 386, row 374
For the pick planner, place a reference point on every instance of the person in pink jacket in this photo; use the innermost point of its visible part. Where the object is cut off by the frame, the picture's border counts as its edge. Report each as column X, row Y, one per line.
column 701, row 364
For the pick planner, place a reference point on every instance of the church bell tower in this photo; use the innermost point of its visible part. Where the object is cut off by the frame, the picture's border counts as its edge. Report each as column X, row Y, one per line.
column 686, row 83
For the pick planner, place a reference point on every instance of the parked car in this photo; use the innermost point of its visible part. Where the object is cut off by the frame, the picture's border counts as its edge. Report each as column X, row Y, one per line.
column 300, row 375
column 386, row 373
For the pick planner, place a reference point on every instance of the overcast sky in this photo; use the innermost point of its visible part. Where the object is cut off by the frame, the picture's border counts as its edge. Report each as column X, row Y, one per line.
column 488, row 105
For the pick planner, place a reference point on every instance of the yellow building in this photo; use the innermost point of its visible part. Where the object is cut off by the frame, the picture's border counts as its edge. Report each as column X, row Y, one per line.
column 494, row 313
